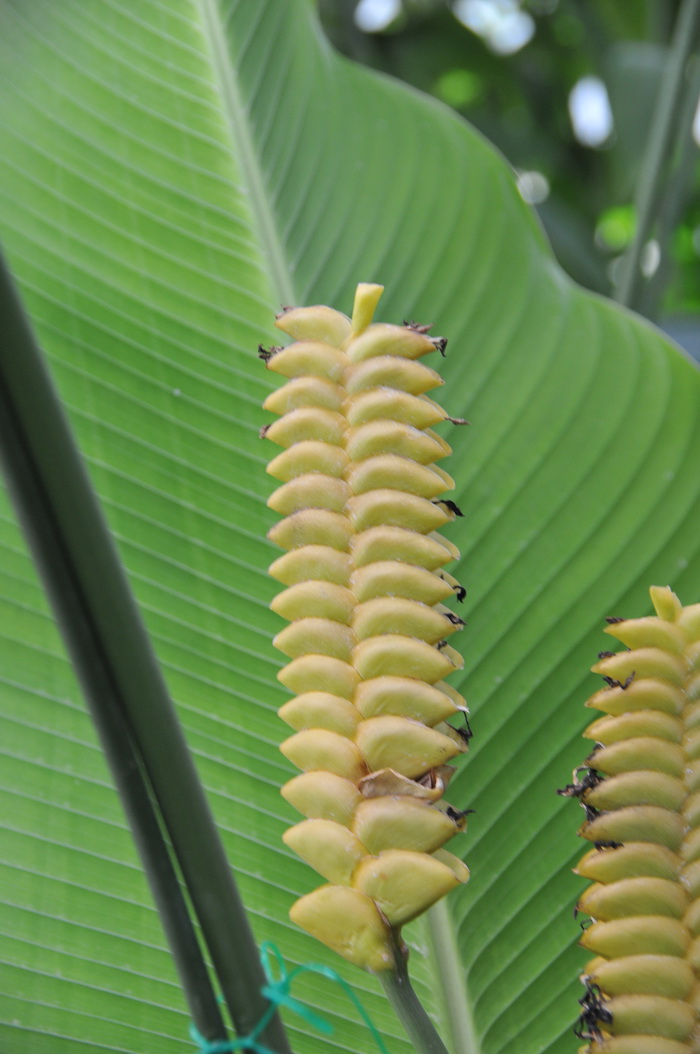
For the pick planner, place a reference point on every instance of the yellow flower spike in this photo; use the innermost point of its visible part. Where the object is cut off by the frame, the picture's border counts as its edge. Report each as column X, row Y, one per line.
column 318, row 323
column 665, row 975
column 641, row 794
column 361, row 497
column 349, row 922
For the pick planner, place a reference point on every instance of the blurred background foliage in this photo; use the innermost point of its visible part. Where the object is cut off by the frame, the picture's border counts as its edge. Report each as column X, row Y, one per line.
column 566, row 90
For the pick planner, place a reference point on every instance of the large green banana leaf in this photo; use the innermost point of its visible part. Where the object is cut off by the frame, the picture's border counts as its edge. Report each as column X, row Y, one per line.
column 171, row 173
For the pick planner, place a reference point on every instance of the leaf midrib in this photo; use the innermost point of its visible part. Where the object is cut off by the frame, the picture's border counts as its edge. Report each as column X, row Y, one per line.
column 246, row 157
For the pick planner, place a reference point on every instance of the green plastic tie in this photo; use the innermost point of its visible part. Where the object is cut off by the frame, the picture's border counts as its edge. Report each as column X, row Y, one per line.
column 277, row 992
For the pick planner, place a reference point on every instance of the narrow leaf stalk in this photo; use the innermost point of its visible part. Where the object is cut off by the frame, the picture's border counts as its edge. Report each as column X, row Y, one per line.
column 121, row 678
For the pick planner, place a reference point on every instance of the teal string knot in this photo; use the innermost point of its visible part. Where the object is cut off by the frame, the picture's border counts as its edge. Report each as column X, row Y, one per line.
column 277, row 993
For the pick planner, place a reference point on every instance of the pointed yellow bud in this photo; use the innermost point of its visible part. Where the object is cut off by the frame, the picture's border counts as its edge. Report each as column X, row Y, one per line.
column 405, row 697
column 307, row 423
column 310, row 491
column 311, row 527
column 321, row 635
column 396, row 508
column 391, row 471
column 392, row 437
column 323, row 795
column 403, row 884
column 314, row 673
column 637, row 823
column 329, row 847
column 404, row 745
column 308, row 456
column 396, row 543
column 607, row 730
column 629, row 861
column 640, row 935
column 644, row 895
column 664, row 975
column 391, row 578
column 641, row 752
column 383, row 338
column 406, row 617
column 651, row 1015
column 317, row 562
column 666, row 603
column 348, row 921
column 637, row 788
column 689, row 621
column 397, row 656
column 318, row 749
column 305, row 391
column 649, row 632
column 639, row 695
column 643, row 662
column 636, row 1045
column 309, row 357
column 315, row 597
column 367, row 296
column 389, row 372
column 376, row 403
column 317, row 323
column 402, row 822
column 321, row 710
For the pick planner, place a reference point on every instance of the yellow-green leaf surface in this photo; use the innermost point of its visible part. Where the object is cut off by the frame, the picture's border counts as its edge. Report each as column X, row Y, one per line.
column 170, row 174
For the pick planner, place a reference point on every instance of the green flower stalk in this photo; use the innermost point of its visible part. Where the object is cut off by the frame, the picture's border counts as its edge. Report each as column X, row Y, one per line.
column 367, row 637
column 641, row 793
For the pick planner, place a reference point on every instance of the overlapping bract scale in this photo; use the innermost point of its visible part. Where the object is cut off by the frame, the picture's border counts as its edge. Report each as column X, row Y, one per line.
column 640, row 789
column 361, row 496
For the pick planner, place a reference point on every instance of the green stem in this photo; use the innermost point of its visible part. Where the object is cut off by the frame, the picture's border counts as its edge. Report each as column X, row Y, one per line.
column 409, row 1009
column 450, row 980
column 630, row 287
column 109, row 644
